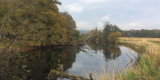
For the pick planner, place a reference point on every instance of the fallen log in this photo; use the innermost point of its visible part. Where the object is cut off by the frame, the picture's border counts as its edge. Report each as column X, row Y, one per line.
column 60, row 74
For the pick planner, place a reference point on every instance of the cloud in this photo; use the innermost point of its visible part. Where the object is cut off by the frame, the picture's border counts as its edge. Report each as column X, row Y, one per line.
column 93, row 1
column 100, row 25
column 130, row 25
column 102, row 21
column 106, row 18
column 74, row 8
column 81, row 25
column 136, row 14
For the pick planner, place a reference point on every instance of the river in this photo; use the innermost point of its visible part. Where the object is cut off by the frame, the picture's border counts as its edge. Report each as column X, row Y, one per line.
column 78, row 61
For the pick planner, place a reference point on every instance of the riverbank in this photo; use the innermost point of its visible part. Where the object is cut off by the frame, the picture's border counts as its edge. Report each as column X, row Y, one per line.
column 148, row 67
column 20, row 47
column 16, row 48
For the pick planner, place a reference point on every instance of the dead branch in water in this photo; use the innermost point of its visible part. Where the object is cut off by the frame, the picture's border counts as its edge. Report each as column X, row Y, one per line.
column 90, row 75
column 54, row 73
column 129, row 57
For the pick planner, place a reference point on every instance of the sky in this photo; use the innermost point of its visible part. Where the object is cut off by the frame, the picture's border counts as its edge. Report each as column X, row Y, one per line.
column 126, row 14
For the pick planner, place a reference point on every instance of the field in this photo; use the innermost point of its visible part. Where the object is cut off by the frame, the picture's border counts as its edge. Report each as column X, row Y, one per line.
column 148, row 66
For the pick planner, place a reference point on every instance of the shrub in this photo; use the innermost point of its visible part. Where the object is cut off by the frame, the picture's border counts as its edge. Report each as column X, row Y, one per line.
column 114, row 36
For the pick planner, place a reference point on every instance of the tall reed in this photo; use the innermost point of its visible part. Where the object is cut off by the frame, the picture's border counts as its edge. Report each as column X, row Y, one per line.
column 148, row 67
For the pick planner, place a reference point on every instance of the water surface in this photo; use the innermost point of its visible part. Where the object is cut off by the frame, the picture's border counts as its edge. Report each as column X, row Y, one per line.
column 78, row 61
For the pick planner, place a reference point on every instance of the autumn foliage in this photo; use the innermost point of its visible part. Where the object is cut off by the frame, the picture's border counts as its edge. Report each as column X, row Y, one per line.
column 113, row 37
column 108, row 35
column 35, row 23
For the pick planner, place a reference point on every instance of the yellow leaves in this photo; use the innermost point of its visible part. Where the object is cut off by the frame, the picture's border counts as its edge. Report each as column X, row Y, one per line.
column 53, row 42
column 35, row 43
column 48, row 17
column 114, row 36
column 20, row 12
column 38, row 22
column 63, row 21
column 43, row 1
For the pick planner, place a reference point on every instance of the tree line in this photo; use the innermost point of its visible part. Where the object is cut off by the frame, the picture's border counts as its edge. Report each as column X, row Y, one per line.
column 35, row 23
column 39, row 23
column 142, row 33
column 111, row 33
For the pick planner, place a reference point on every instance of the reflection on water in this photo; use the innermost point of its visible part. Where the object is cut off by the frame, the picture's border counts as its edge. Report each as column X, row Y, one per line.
column 36, row 64
column 101, row 60
column 79, row 61
column 111, row 51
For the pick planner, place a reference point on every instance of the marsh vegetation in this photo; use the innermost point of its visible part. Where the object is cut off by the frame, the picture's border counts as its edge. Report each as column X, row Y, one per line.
column 148, row 66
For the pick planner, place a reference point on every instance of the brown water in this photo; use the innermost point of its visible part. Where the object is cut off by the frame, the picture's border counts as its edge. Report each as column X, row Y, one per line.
column 77, row 61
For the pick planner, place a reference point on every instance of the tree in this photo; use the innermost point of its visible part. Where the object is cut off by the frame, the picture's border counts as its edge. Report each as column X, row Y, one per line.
column 35, row 23
column 72, row 33
column 95, row 36
column 109, row 34
column 108, row 29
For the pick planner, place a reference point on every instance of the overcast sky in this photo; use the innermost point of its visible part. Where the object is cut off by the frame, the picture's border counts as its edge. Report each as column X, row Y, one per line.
column 126, row 14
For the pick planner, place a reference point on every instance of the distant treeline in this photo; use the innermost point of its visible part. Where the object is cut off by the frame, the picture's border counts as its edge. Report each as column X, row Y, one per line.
column 142, row 33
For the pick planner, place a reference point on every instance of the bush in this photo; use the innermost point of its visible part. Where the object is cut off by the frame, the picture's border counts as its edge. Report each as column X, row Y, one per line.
column 114, row 36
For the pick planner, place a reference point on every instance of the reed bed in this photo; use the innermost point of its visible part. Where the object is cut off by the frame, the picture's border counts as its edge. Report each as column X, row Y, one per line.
column 148, row 66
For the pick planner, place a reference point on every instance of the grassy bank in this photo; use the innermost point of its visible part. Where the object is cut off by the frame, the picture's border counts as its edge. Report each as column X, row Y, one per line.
column 148, row 67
